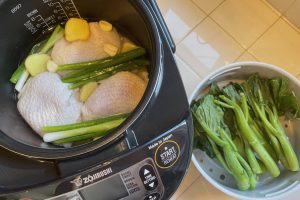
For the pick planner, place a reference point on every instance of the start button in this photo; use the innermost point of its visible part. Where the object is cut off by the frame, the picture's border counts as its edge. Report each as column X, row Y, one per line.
column 167, row 154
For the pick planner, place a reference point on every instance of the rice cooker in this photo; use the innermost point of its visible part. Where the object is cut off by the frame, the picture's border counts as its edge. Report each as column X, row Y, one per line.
column 146, row 157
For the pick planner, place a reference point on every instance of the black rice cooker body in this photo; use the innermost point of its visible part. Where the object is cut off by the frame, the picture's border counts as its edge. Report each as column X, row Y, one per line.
column 27, row 163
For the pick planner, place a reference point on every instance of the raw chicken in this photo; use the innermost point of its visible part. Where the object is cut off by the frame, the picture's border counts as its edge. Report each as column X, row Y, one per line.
column 119, row 93
column 45, row 100
column 65, row 52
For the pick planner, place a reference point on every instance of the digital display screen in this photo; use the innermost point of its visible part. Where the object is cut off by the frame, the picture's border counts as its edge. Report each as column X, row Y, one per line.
column 108, row 189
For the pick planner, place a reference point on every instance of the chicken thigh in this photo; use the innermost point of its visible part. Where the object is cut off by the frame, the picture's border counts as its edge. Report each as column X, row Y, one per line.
column 65, row 52
column 45, row 100
column 119, row 93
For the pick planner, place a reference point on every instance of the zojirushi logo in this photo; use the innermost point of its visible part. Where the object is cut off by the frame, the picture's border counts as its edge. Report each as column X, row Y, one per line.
column 81, row 181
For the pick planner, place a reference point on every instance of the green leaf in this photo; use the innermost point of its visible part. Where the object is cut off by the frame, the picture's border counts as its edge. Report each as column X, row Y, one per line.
column 214, row 89
column 284, row 98
column 231, row 92
column 209, row 113
column 201, row 142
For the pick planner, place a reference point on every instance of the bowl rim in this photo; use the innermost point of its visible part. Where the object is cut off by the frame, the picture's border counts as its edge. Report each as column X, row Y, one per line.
column 229, row 67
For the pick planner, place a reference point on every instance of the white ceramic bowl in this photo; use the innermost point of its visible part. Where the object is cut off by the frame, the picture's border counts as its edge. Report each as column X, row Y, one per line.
column 267, row 187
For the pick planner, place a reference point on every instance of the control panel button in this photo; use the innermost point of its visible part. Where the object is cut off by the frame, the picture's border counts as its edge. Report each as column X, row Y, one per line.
column 154, row 196
column 148, row 177
column 167, row 154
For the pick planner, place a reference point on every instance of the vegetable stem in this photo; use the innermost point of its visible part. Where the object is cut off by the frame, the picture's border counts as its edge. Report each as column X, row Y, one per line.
column 239, row 173
column 103, row 63
column 252, row 159
column 262, row 140
column 244, row 106
column 219, row 155
column 42, row 47
column 99, row 72
column 22, row 80
column 18, row 73
column 56, row 35
column 287, row 148
column 73, row 86
column 49, row 129
column 252, row 179
column 99, row 128
column 78, row 138
column 247, row 133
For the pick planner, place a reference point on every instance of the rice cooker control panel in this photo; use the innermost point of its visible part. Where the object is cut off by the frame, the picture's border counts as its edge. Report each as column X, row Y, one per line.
column 152, row 171
column 140, row 181
column 147, row 172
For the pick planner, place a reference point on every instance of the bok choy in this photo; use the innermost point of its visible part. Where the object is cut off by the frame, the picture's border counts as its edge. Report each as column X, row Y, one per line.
column 240, row 126
column 209, row 116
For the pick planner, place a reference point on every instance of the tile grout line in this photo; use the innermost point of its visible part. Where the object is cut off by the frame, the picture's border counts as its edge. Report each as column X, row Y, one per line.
column 252, row 55
column 206, row 16
column 241, row 45
column 187, row 66
column 192, row 29
column 188, row 187
column 286, row 20
column 282, row 14
column 239, row 56
column 275, row 10
column 246, row 49
column 263, row 33
column 211, row 10
column 228, row 34
column 190, row 67
column 236, row 60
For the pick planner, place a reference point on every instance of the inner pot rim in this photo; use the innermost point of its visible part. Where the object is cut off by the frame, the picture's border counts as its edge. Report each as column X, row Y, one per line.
column 27, row 150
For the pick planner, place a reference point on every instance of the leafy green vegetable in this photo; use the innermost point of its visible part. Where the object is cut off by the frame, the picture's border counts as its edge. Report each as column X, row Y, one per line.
column 214, row 89
column 260, row 98
column 239, row 126
column 284, row 99
column 201, row 141
column 247, row 132
column 209, row 116
column 233, row 91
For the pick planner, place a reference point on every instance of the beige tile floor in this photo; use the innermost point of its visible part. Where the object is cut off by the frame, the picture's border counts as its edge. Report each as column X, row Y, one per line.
column 212, row 33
